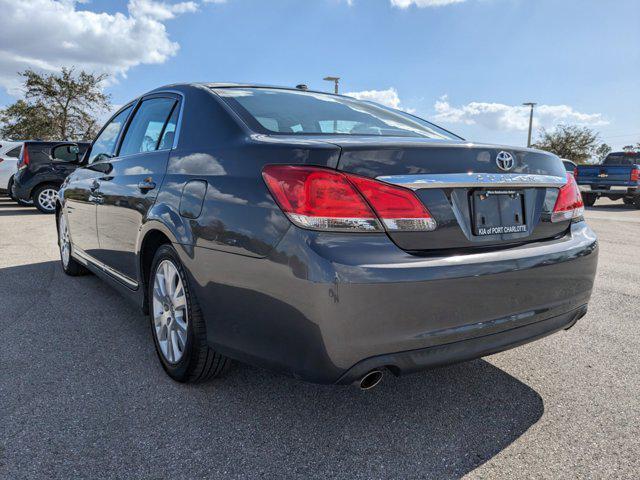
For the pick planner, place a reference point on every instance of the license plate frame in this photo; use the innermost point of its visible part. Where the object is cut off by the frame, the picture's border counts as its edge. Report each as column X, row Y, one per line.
column 498, row 212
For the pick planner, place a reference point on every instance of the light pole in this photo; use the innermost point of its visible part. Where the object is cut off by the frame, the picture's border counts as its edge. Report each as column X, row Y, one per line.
column 530, row 104
column 336, row 82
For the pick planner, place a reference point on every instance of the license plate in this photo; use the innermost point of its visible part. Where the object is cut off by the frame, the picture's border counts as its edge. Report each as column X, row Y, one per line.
column 498, row 212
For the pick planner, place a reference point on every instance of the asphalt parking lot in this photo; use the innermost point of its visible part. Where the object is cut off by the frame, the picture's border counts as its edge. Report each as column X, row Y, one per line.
column 82, row 394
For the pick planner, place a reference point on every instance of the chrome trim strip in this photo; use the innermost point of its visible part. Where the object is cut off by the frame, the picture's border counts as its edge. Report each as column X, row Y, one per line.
column 474, row 180
column 581, row 237
column 84, row 256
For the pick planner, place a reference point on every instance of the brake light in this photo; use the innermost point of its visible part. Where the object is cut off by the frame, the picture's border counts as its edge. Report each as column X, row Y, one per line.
column 575, row 173
column 635, row 175
column 397, row 207
column 322, row 199
column 569, row 204
column 24, row 158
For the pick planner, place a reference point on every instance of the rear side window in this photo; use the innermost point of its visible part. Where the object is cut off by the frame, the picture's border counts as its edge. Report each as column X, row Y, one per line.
column 147, row 128
column 64, row 155
column 105, row 144
column 15, row 153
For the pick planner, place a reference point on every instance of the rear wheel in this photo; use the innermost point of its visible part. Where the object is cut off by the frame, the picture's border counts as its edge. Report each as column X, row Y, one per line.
column 589, row 199
column 628, row 200
column 178, row 327
column 636, row 202
column 45, row 198
column 9, row 188
column 70, row 266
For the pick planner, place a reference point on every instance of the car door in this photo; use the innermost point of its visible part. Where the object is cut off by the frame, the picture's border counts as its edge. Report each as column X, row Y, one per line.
column 8, row 162
column 129, row 190
column 80, row 193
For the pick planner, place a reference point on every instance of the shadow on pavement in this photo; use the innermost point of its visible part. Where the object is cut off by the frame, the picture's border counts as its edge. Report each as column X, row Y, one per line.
column 82, row 392
column 9, row 207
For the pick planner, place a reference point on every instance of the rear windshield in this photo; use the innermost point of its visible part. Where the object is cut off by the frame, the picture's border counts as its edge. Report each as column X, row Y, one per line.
column 303, row 113
column 622, row 159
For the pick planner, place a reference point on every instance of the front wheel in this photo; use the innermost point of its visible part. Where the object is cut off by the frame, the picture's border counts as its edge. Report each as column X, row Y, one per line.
column 177, row 324
column 45, row 198
column 589, row 199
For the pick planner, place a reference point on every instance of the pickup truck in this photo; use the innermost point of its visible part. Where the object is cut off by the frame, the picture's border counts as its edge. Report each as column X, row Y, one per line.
column 617, row 177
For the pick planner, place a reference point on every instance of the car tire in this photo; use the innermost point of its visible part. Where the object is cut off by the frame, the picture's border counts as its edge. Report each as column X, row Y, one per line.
column 9, row 189
column 636, row 202
column 628, row 200
column 45, row 197
column 589, row 199
column 177, row 324
column 70, row 265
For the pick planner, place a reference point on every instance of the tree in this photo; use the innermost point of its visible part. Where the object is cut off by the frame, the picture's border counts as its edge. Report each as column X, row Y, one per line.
column 57, row 106
column 572, row 142
column 602, row 151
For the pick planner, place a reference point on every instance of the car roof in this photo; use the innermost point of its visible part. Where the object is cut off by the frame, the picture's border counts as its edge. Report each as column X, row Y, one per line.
column 240, row 85
column 53, row 142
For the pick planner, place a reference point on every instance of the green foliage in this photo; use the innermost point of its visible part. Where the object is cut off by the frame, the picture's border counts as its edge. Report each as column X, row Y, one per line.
column 572, row 142
column 602, row 151
column 62, row 106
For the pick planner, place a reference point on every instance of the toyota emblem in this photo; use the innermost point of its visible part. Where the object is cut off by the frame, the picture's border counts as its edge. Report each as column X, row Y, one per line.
column 505, row 161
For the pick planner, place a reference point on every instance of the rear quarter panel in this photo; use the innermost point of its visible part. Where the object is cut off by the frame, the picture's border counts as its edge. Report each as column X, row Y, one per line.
column 238, row 213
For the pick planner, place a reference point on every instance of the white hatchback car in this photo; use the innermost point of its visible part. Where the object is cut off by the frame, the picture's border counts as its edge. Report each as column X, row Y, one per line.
column 9, row 153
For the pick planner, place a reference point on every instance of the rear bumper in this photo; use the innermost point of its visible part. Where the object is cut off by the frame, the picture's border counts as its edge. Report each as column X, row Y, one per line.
column 611, row 189
column 19, row 191
column 324, row 307
column 403, row 363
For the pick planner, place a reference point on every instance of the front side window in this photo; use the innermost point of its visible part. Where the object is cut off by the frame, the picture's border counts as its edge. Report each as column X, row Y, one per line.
column 300, row 112
column 105, row 144
column 148, row 126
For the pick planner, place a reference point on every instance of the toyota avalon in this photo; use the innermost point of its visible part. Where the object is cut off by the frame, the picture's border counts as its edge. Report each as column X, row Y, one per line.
column 324, row 237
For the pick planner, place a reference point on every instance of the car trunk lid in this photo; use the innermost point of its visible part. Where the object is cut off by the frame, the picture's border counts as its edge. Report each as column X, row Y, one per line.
column 481, row 196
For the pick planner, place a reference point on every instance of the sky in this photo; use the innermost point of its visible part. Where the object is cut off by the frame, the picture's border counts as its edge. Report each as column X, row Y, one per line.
column 467, row 65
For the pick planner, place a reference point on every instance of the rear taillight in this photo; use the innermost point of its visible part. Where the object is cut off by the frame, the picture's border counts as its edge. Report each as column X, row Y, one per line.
column 569, row 204
column 575, row 173
column 398, row 208
column 322, row 199
column 24, row 158
column 635, row 175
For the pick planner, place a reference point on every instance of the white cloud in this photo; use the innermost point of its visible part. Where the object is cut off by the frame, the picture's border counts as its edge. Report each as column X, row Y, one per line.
column 423, row 3
column 498, row 116
column 388, row 97
column 99, row 42
column 160, row 11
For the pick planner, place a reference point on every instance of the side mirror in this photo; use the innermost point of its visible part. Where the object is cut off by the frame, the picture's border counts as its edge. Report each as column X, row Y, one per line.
column 66, row 153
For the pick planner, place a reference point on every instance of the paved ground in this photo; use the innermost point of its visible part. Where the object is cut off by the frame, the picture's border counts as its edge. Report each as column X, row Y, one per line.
column 83, row 396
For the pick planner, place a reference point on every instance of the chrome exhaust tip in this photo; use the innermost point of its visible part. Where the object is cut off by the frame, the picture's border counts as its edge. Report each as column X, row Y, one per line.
column 370, row 380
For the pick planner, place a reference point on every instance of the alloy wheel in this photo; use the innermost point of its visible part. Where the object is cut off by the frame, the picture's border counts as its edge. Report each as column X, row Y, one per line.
column 170, row 317
column 47, row 199
column 63, row 241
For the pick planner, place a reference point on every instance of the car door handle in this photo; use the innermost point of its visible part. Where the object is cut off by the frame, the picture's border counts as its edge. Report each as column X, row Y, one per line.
column 146, row 185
